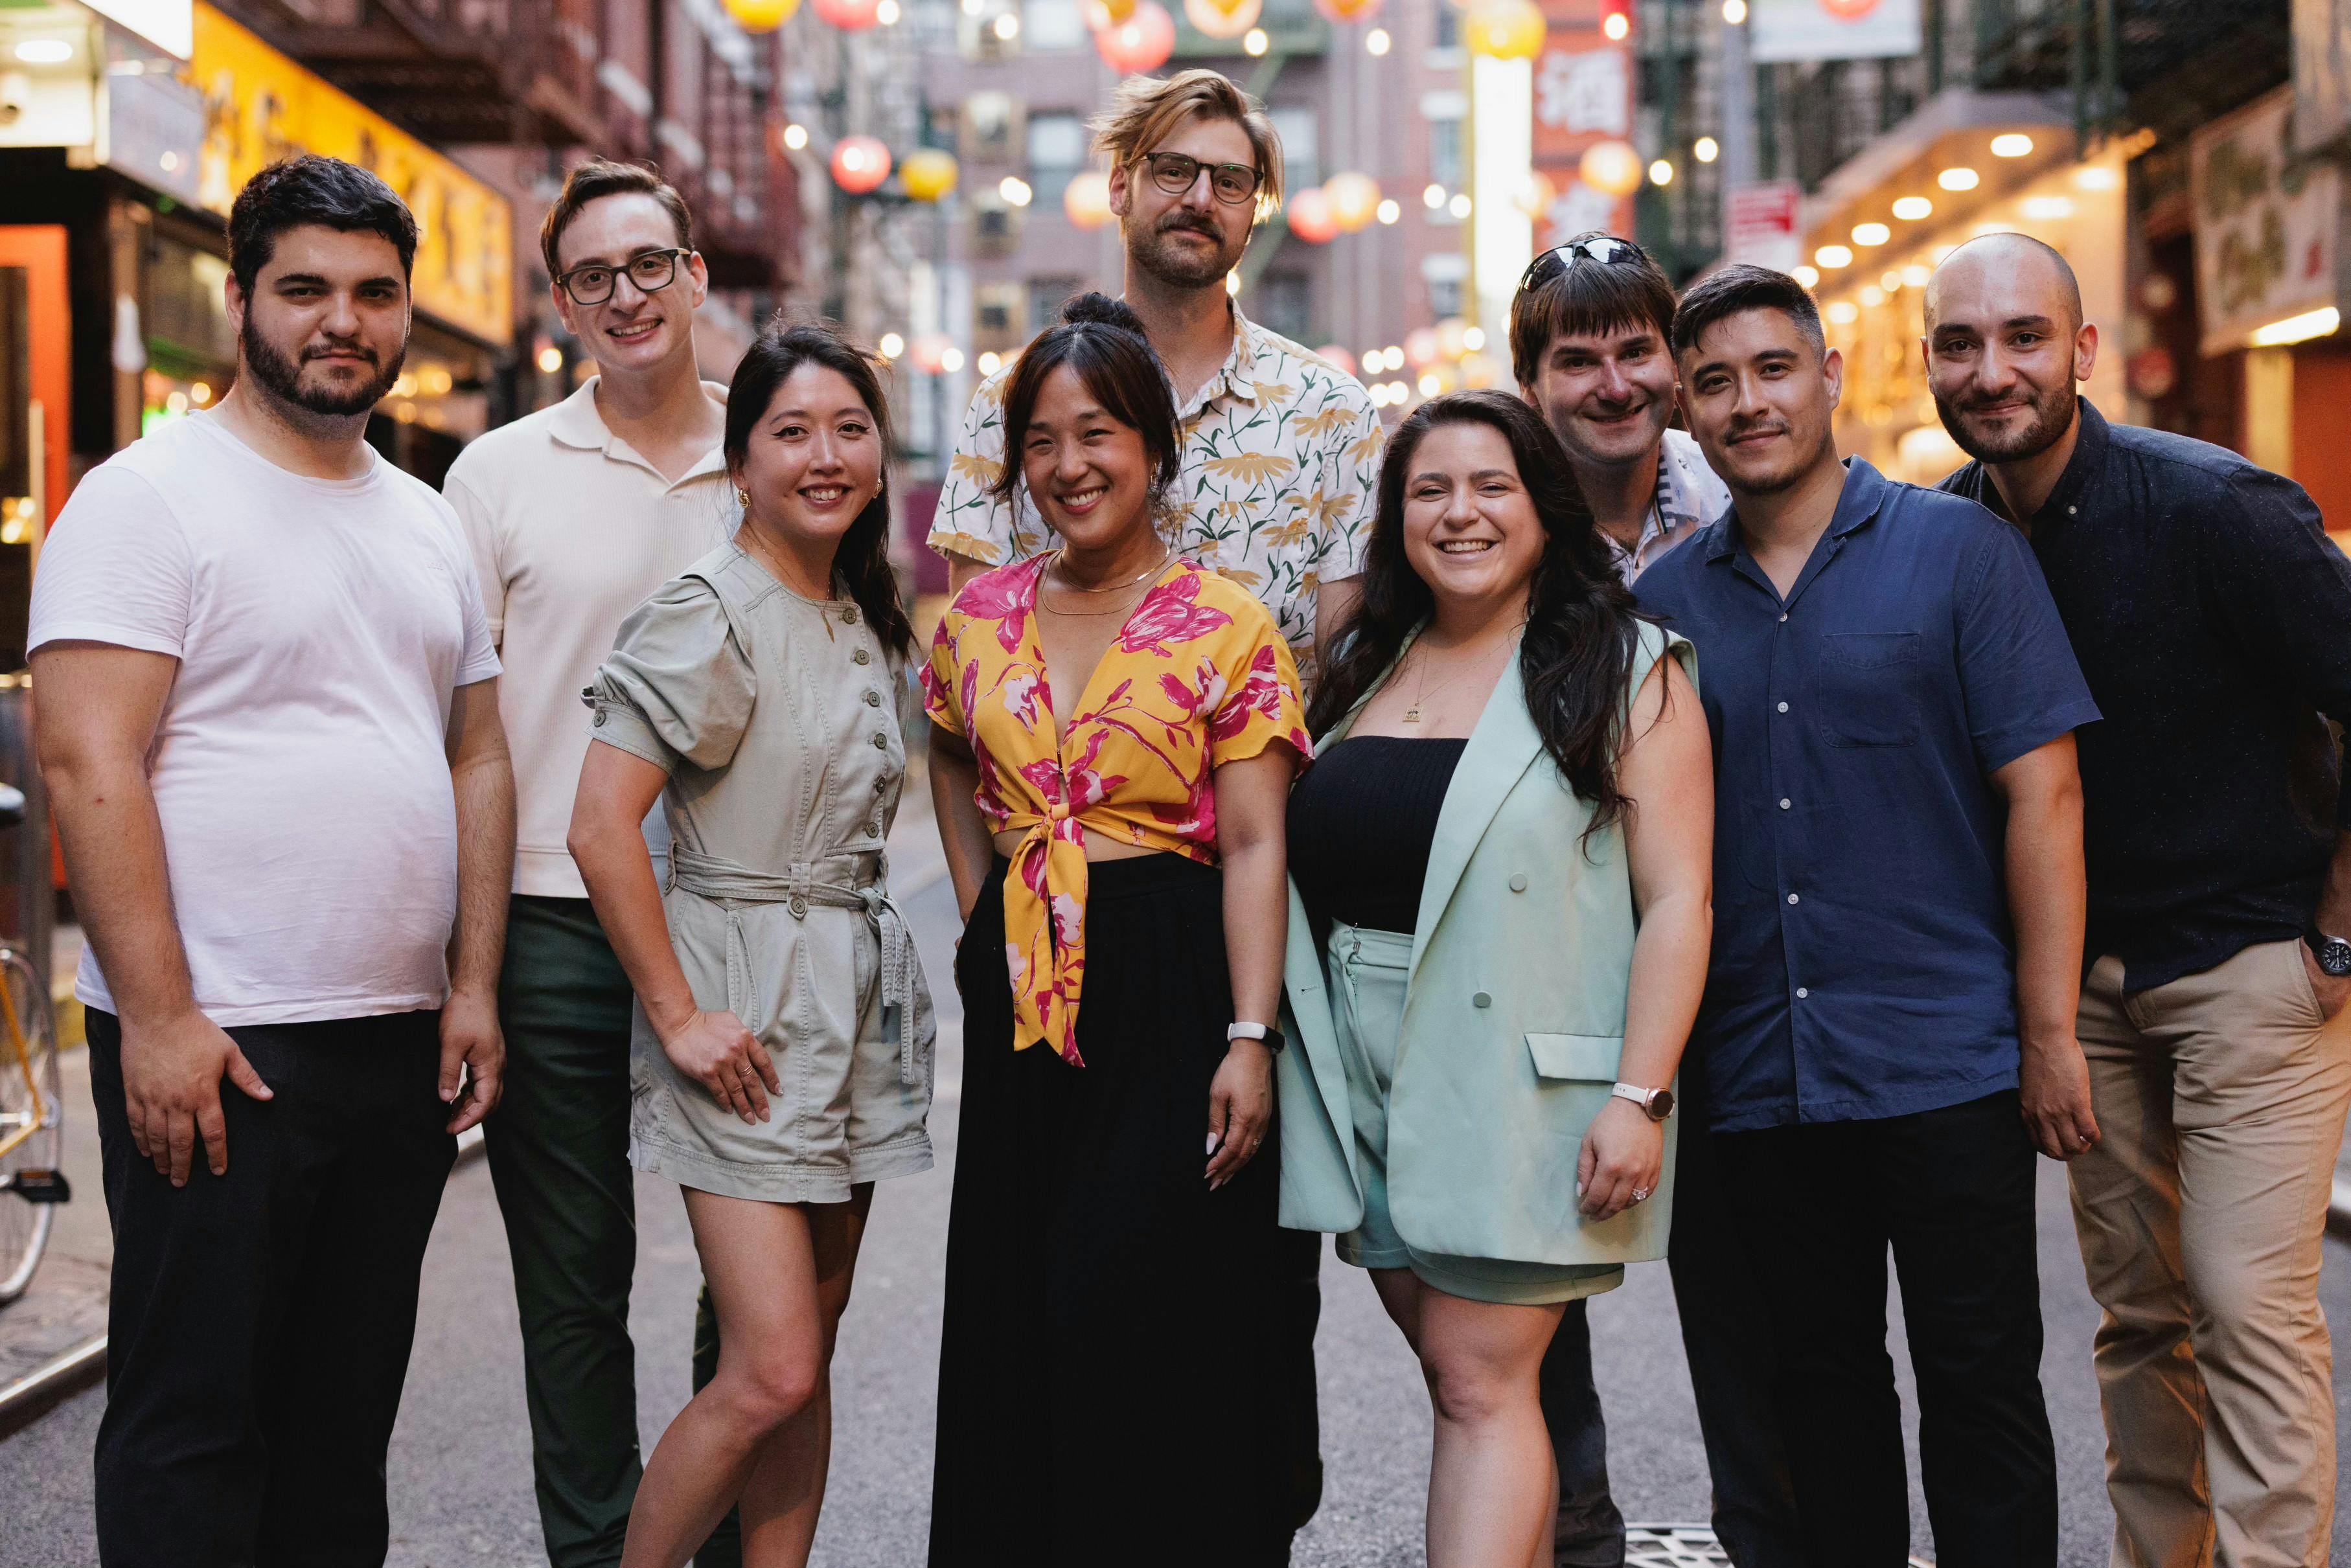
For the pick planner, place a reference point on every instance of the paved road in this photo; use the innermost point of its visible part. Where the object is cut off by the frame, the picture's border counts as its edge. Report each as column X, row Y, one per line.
column 460, row 1461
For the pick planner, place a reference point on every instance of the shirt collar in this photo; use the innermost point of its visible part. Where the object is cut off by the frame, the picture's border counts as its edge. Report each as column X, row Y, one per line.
column 1858, row 506
column 2089, row 456
column 575, row 423
column 1243, row 368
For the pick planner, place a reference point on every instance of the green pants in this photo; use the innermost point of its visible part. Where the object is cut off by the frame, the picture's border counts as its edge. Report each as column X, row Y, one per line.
column 559, row 1148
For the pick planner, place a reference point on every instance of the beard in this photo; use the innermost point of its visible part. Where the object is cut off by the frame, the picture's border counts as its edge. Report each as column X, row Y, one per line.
column 1794, row 474
column 280, row 374
column 1157, row 254
column 2053, row 415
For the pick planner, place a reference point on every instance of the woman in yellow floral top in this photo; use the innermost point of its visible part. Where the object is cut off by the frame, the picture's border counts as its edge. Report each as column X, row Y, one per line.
column 1117, row 732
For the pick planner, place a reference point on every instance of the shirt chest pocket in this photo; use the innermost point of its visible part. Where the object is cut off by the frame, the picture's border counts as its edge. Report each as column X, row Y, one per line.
column 1865, row 688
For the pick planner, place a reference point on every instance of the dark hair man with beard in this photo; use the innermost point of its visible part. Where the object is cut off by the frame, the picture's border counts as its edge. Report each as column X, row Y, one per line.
column 269, row 726
column 2212, row 619
column 1897, row 897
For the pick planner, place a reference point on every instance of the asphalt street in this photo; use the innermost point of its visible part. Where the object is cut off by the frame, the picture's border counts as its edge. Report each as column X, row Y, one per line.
column 460, row 1464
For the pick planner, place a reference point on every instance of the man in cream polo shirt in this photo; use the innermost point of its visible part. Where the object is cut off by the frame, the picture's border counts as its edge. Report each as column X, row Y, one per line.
column 577, row 513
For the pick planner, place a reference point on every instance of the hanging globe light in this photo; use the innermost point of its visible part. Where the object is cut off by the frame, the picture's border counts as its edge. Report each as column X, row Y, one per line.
column 1141, row 43
column 1452, row 338
column 761, row 15
column 1354, row 200
column 1504, row 30
column 1420, row 347
column 849, row 15
column 928, row 174
column 1223, row 18
column 1086, row 201
column 1612, row 168
column 1309, row 214
column 860, row 164
column 1345, row 11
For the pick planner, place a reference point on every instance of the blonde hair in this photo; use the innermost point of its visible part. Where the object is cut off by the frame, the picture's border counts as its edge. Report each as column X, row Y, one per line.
column 1145, row 111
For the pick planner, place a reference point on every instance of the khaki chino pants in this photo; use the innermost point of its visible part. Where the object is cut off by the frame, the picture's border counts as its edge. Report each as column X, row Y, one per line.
column 2221, row 1100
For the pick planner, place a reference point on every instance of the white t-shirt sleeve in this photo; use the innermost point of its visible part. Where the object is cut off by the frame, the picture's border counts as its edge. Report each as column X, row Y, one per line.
column 481, row 657
column 482, row 541
column 117, row 569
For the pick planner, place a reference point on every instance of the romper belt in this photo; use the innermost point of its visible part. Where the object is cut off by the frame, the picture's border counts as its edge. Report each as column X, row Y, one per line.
column 828, row 884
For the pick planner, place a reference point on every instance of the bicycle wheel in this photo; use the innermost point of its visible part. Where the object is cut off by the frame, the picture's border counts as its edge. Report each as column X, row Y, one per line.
column 32, row 1104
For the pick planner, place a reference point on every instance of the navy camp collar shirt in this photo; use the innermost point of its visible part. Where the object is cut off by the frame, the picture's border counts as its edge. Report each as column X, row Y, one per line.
column 1863, row 963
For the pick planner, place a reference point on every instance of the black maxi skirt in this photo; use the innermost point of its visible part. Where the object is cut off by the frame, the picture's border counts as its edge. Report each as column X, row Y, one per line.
column 1111, row 1386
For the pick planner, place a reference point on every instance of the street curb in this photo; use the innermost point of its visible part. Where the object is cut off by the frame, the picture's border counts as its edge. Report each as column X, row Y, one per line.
column 31, row 1395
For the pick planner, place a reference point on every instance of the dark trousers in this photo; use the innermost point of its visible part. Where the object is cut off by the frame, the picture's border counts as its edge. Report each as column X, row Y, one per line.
column 1727, row 1337
column 559, row 1148
column 1728, row 1343
column 260, row 1322
column 1951, row 1192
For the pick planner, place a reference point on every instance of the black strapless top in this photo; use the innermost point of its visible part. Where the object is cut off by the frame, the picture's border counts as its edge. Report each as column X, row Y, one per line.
column 1362, row 822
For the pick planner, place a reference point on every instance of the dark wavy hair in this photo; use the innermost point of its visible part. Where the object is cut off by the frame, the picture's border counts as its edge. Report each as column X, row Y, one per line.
column 1582, row 628
column 312, row 188
column 862, row 562
column 1101, row 339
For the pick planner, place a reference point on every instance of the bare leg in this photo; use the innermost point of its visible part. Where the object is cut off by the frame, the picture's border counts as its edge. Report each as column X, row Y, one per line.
column 1491, row 1482
column 759, row 1259
column 781, row 1500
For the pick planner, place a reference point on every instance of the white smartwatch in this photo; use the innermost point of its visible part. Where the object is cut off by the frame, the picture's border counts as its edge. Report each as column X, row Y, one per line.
column 1271, row 1036
column 1655, row 1103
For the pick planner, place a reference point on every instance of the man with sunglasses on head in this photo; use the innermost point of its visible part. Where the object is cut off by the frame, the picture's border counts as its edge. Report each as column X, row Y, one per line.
column 1281, row 448
column 1592, row 347
column 577, row 513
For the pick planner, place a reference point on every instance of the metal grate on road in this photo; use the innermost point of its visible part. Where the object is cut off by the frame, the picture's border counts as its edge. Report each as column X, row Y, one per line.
column 1686, row 1546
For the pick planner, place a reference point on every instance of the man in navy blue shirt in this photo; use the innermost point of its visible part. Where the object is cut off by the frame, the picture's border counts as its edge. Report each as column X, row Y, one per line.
column 1888, row 1021
column 2213, row 623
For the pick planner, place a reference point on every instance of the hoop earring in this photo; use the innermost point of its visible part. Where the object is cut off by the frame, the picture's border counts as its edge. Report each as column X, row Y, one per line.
column 743, row 499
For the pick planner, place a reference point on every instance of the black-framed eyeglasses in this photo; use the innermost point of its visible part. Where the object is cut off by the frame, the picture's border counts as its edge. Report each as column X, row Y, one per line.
column 1175, row 173
column 1605, row 249
column 651, row 271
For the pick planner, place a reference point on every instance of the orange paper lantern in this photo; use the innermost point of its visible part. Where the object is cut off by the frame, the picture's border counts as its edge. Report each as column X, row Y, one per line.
column 1354, row 200
column 1612, row 168
column 860, row 164
column 1101, row 13
column 1504, row 30
column 1345, row 11
column 1310, row 216
column 1141, row 43
column 1086, row 201
column 1223, row 18
column 1535, row 194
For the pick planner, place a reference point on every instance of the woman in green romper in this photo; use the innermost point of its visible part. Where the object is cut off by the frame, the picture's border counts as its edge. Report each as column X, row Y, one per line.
column 782, row 1062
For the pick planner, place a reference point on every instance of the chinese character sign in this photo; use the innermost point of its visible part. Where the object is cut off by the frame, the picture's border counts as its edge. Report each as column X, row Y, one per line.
column 2268, row 227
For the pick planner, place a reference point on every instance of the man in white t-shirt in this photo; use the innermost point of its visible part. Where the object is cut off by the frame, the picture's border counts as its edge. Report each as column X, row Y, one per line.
column 1592, row 349
column 576, row 514
column 270, row 728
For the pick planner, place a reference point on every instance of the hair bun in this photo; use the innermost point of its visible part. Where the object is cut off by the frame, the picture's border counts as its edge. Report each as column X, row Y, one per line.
column 1099, row 309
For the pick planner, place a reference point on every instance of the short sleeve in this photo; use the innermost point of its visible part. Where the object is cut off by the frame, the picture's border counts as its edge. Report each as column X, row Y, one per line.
column 1351, row 482
column 1260, row 705
column 942, row 681
column 970, row 521
column 677, row 687
column 2017, row 670
column 117, row 569
column 482, row 544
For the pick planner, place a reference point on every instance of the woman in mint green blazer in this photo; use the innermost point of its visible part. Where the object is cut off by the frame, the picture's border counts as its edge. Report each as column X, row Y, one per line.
column 1500, row 889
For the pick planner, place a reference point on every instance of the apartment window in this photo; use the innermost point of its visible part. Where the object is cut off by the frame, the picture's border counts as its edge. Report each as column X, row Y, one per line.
column 1053, row 26
column 1000, row 316
column 995, row 224
column 1057, row 152
column 1281, row 302
column 1448, row 29
column 993, row 129
column 1447, row 166
column 1048, row 295
column 1301, row 162
column 1447, row 277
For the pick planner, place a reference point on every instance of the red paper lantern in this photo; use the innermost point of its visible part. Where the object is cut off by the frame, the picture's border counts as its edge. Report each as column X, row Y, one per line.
column 849, row 15
column 1141, row 43
column 860, row 164
column 1309, row 215
column 1086, row 201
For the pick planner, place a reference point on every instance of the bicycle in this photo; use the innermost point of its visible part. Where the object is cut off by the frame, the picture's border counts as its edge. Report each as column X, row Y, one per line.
column 32, row 1108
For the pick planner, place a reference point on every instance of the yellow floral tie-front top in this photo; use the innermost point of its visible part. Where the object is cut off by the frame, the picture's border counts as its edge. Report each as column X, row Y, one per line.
column 1198, row 676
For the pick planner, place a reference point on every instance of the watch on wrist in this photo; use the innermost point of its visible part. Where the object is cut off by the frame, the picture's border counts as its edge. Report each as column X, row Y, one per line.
column 1268, row 1035
column 2333, row 953
column 1655, row 1103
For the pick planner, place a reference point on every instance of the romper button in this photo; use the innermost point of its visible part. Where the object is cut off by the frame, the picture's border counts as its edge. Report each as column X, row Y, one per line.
column 599, row 719
column 849, row 615
column 873, row 699
column 1518, row 884
column 880, row 742
column 861, row 657
column 799, row 907
column 1481, row 1000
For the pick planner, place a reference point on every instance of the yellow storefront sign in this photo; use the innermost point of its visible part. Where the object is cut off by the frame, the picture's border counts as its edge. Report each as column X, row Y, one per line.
column 260, row 107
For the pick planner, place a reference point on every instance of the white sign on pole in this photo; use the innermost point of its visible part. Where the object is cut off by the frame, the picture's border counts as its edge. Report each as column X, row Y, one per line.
column 1831, row 29
column 1761, row 224
column 2268, row 228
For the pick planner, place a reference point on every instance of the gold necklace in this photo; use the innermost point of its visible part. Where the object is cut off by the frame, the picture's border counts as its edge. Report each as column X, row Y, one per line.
column 1420, row 691
column 1060, row 559
column 1120, row 609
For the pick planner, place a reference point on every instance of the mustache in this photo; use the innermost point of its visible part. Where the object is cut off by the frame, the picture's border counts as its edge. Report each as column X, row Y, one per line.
column 1758, row 427
column 322, row 350
column 1187, row 224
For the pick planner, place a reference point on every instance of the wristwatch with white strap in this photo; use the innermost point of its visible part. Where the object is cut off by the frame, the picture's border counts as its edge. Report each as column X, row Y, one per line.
column 1265, row 1034
column 1655, row 1103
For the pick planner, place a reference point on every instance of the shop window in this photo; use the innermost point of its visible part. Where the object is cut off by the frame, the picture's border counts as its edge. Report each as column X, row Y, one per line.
column 994, row 129
column 999, row 318
column 1057, row 152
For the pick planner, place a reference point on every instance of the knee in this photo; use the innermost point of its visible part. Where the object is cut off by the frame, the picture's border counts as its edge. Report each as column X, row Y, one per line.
column 768, row 1391
column 1470, row 1390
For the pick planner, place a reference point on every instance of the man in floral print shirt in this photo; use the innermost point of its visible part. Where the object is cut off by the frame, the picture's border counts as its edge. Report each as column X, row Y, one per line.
column 1281, row 448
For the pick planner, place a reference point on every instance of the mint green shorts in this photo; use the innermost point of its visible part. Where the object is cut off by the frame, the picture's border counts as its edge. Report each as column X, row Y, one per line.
column 1368, row 969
